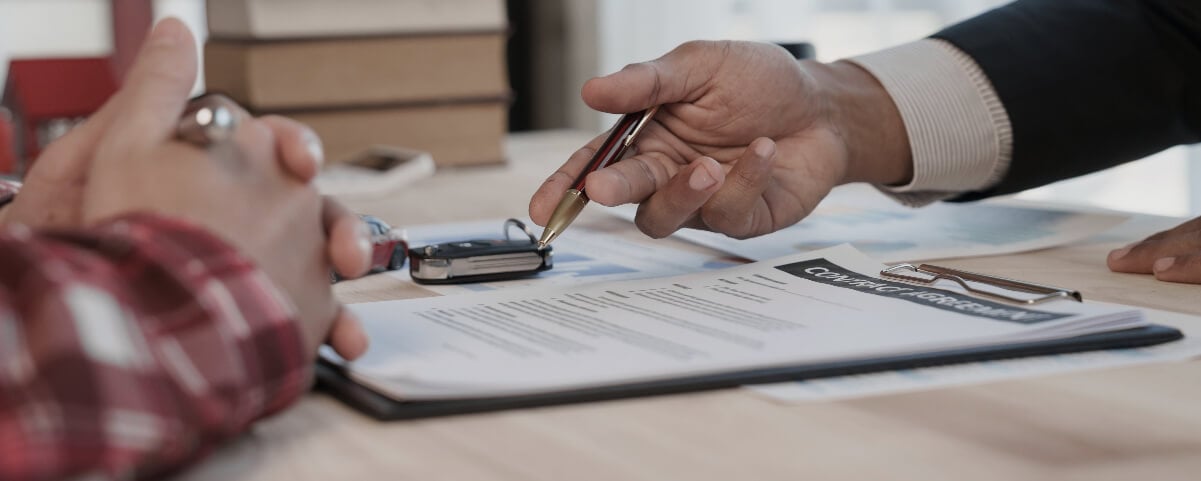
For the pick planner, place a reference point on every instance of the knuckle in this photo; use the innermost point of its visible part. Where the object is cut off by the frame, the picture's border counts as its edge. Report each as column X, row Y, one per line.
column 583, row 154
column 1143, row 246
column 747, row 180
column 54, row 150
column 163, row 73
column 696, row 46
column 649, row 227
column 256, row 139
column 726, row 221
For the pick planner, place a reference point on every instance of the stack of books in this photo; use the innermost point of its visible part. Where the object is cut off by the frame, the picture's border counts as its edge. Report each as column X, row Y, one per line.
column 422, row 74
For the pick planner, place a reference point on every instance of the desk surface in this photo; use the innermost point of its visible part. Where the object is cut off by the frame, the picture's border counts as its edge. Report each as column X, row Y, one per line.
column 1131, row 423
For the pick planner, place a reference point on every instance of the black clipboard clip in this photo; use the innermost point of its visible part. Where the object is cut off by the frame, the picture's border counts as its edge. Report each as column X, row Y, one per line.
column 1044, row 293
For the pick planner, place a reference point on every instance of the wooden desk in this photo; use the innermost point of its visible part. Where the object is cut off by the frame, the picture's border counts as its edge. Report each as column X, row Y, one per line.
column 1136, row 423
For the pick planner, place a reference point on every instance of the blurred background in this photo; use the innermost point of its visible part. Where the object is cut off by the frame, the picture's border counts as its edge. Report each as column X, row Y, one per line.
column 426, row 67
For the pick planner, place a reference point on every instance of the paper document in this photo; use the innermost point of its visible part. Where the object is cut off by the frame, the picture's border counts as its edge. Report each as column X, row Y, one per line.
column 581, row 254
column 890, row 232
column 909, row 380
column 824, row 306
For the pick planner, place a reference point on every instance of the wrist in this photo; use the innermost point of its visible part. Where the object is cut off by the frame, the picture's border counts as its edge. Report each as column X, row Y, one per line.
column 867, row 120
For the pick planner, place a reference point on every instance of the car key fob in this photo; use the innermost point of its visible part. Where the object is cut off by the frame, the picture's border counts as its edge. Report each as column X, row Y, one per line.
column 480, row 260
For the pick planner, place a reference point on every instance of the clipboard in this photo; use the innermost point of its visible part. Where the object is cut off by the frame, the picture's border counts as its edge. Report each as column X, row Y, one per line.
column 333, row 379
column 1040, row 292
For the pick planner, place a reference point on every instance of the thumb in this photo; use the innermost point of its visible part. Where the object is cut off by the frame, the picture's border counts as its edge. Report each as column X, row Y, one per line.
column 157, row 88
column 668, row 79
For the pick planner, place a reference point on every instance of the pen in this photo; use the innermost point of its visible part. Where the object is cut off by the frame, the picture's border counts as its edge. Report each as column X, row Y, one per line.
column 619, row 140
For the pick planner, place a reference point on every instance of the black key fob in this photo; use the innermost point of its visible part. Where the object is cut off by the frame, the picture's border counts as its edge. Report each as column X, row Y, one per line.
column 480, row 260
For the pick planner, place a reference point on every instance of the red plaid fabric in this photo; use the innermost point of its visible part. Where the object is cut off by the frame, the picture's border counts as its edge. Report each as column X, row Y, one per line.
column 130, row 349
column 8, row 190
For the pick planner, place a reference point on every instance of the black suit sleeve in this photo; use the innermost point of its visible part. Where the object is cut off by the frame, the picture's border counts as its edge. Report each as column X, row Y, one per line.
column 1088, row 84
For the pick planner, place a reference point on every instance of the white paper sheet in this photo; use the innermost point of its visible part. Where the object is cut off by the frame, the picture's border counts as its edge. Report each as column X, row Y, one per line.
column 581, row 254
column 807, row 308
column 911, row 380
column 887, row 231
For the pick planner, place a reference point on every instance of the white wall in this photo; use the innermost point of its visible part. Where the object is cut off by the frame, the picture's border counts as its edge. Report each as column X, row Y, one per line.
column 608, row 34
column 69, row 28
column 629, row 31
column 53, row 28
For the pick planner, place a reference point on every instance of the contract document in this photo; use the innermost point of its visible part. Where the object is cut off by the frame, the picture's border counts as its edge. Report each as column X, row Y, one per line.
column 808, row 309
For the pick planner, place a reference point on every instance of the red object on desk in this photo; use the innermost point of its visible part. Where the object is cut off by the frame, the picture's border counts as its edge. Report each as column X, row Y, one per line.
column 7, row 149
column 47, row 96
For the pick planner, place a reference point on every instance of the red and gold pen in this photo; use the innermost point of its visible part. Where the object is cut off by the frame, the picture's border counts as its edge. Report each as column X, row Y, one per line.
column 619, row 140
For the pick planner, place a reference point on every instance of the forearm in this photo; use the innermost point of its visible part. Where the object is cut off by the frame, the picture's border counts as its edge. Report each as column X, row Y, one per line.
column 133, row 348
column 959, row 133
column 1035, row 92
column 919, row 120
column 863, row 114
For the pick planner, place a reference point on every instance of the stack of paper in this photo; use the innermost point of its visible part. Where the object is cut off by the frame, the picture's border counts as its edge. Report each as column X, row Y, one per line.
column 803, row 310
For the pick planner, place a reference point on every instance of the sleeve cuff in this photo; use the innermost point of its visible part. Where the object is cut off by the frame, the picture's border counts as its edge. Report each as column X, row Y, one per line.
column 8, row 191
column 253, row 357
column 958, row 130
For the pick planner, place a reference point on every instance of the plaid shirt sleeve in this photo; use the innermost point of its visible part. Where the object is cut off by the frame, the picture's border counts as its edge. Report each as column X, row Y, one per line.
column 132, row 348
column 8, row 191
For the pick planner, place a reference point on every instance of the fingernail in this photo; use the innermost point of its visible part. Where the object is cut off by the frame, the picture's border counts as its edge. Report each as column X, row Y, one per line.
column 313, row 144
column 1163, row 264
column 161, row 35
column 358, row 339
column 364, row 241
column 765, row 150
column 701, row 179
column 1120, row 253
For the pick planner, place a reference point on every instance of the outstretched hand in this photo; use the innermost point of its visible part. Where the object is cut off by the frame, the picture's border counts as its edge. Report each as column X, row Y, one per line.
column 1173, row 255
column 747, row 140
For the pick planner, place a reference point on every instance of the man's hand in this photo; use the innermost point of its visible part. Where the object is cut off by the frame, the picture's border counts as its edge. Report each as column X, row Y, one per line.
column 125, row 159
column 747, row 141
column 1173, row 255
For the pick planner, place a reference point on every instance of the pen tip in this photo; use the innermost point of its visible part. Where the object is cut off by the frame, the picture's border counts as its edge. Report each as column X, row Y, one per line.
column 547, row 236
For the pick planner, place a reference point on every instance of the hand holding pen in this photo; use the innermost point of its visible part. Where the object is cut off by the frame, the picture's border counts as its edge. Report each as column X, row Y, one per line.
column 747, row 140
column 621, row 138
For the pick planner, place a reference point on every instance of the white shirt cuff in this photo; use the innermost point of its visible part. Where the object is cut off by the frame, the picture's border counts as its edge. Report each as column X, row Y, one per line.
column 959, row 133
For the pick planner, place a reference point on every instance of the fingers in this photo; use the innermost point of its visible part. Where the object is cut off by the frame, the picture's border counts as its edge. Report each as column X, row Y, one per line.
column 547, row 197
column 737, row 210
column 66, row 160
column 297, row 146
column 251, row 152
column 349, row 243
column 631, row 180
column 1171, row 255
column 668, row 79
column 670, row 208
column 346, row 336
column 1180, row 268
column 156, row 89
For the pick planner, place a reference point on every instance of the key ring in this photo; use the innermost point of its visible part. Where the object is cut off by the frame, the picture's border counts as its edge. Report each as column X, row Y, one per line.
column 511, row 223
